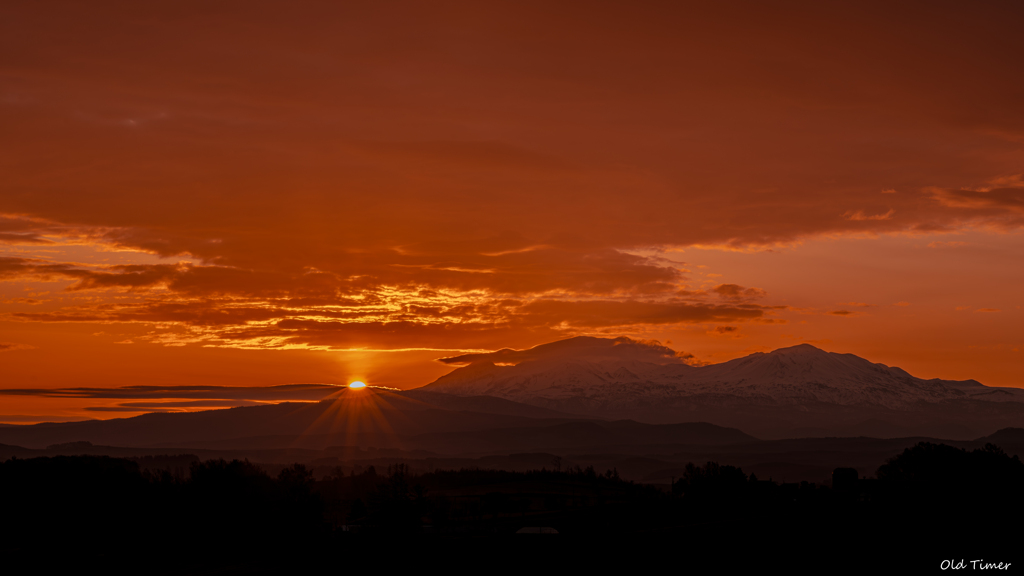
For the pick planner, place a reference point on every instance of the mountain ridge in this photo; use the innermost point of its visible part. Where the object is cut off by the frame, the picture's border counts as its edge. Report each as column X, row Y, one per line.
column 763, row 386
column 368, row 418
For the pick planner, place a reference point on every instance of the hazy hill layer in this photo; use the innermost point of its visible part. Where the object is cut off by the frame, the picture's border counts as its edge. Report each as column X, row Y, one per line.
column 372, row 417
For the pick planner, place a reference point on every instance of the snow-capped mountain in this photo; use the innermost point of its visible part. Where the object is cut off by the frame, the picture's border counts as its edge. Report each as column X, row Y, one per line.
column 625, row 378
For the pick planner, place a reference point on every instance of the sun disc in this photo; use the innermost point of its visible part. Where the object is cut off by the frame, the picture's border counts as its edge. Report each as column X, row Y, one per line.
column 357, row 384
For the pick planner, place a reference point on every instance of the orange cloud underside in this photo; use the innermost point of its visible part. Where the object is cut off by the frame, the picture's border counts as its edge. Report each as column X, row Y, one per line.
column 240, row 195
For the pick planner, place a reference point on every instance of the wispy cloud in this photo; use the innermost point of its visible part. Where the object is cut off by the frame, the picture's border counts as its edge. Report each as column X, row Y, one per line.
column 11, row 346
column 859, row 216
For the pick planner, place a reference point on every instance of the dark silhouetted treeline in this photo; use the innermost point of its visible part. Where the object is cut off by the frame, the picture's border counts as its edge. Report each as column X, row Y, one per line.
column 484, row 501
column 952, row 492
column 94, row 502
column 929, row 496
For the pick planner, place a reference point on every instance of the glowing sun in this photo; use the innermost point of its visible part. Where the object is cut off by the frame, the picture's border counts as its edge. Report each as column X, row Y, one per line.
column 357, row 384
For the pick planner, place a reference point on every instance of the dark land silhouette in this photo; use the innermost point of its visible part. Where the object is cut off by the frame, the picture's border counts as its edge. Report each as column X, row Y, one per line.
column 382, row 418
column 926, row 501
column 635, row 450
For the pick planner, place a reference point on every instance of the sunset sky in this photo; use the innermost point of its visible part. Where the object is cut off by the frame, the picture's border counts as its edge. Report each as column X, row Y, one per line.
column 265, row 193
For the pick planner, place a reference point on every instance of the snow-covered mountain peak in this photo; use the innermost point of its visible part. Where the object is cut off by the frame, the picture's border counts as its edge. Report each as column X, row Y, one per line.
column 601, row 371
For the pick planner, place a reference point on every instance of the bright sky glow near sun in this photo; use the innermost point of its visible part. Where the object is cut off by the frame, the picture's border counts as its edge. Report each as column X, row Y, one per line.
column 232, row 194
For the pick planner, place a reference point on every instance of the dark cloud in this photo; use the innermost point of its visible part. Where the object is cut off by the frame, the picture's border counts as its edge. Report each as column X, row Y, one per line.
column 32, row 419
column 192, row 404
column 9, row 238
column 453, row 177
column 600, row 271
column 12, row 268
column 441, row 325
column 383, row 335
column 737, row 292
column 272, row 309
column 230, row 395
column 170, row 406
column 125, row 276
column 573, row 137
column 1002, row 206
column 598, row 349
column 1011, row 199
column 10, row 346
column 601, row 313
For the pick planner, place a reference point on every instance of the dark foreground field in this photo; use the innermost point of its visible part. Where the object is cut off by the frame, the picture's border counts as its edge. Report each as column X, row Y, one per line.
column 930, row 503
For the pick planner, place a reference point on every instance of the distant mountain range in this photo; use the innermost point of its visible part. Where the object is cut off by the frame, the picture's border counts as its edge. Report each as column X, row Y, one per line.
column 796, row 391
column 586, row 395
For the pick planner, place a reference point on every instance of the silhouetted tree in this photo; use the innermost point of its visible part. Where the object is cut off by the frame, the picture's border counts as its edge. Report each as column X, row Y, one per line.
column 357, row 512
column 395, row 506
column 942, row 464
column 711, row 478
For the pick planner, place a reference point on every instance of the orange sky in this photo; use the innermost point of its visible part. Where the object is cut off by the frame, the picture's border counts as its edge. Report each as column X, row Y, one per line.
column 256, row 193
